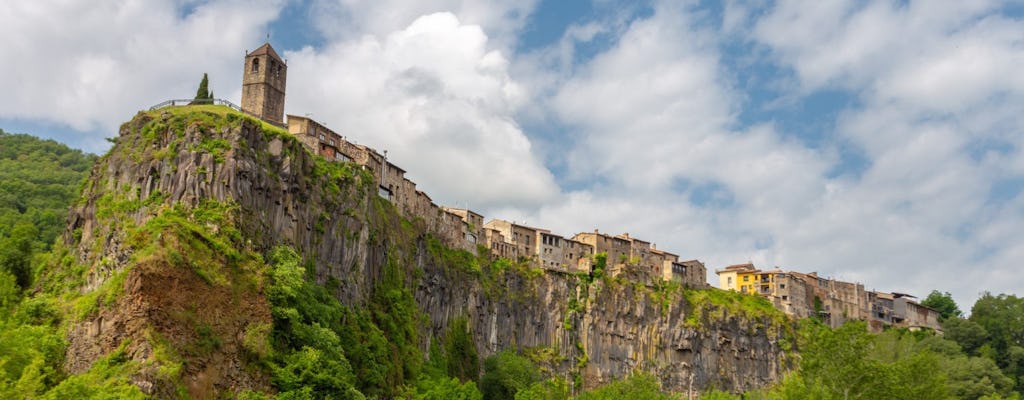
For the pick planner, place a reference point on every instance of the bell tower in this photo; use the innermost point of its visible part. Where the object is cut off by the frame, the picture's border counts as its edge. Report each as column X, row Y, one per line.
column 263, row 84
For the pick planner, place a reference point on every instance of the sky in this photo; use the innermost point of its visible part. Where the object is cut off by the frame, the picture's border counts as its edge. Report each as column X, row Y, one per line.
column 877, row 142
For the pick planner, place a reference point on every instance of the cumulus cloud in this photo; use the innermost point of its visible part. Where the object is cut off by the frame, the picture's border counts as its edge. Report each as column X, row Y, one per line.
column 91, row 65
column 439, row 99
column 936, row 88
column 346, row 19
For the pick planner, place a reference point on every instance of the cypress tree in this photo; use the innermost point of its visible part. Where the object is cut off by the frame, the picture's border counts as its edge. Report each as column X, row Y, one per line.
column 203, row 94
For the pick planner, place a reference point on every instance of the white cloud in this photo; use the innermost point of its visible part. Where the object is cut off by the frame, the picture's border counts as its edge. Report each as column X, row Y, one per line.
column 348, row 19
column 936, row 82
column 438, row 99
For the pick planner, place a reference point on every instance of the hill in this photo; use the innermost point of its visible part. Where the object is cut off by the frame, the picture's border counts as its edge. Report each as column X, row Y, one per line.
column 211, row 255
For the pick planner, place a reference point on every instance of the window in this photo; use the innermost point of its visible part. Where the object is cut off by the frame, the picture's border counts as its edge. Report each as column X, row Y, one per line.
column 728, row 281
column 273, row 67
column 746, row 278
column 255, row 65
column 784, row 297
column 782, row 286
column 332, row 142
column 322, row 136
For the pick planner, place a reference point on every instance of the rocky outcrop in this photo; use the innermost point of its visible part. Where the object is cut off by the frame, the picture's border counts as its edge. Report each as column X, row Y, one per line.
column 601, row 329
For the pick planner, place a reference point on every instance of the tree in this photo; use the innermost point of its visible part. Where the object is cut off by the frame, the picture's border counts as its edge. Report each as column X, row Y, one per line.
column 461, row 352
column 203, row 94
column 639, row 387
column 970, row 335
column 971, row 378
column 16, row 253
column 505, row 374
column 943, row 302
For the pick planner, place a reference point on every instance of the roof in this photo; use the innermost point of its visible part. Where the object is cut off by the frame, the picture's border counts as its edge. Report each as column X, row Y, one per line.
column 744, row 266
column 463, row 210
column 657, row 251
column 266, row 49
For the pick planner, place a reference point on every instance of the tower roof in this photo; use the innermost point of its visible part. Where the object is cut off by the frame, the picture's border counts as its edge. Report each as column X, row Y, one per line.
column 267, row 49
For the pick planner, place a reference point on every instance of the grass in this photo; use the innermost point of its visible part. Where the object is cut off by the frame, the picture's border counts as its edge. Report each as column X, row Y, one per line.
column 719, row 304
column 208, row 112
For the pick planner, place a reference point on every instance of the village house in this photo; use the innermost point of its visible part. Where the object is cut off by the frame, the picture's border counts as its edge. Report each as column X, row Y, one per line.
column 616, row 248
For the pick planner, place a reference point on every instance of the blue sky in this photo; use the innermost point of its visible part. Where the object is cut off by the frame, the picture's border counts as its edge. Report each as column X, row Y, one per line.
column 875, row 141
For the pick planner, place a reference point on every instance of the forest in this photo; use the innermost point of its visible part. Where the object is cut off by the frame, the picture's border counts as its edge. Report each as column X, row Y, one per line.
column 318, row 348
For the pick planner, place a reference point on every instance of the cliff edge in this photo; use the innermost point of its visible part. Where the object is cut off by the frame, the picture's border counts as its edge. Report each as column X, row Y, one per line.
column 166, row 263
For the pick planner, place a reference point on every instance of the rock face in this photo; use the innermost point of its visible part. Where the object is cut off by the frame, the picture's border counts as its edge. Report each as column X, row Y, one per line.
column 600, row 330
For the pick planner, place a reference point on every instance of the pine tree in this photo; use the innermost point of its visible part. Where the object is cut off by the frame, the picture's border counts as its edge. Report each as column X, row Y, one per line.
column 203, row 94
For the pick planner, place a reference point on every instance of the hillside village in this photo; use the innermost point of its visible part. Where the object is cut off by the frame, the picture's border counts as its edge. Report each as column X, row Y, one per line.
column 797, row 294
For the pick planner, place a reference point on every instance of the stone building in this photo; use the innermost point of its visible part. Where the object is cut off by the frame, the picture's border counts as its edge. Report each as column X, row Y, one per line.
column 691, row 273
column 616, row 248
column 499, row 245
column 523, row 238
column 898, row 310
column 263, row 84
column 839, row 301
column 473, row 219
column 552, row 251
column 577, row 255
column 914, row 316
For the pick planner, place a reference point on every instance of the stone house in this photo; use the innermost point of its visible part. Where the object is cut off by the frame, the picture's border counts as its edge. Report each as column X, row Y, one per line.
column 577, row 255
column 474, row 220
column 691, row 273
column 618, row 249
column 525, row 239
column 914, row 316
column 499, row 245
column 897, row 309
column 552, row 251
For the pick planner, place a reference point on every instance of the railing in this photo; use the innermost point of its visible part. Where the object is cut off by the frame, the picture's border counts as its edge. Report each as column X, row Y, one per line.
column 188, row 102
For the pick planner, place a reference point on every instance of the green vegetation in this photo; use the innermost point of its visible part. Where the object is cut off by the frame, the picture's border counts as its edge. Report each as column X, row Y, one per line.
column 38, row 181
column 967, row 362
column 716, row 304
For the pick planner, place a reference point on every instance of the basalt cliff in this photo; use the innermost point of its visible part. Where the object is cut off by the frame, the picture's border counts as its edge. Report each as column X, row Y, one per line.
column 166, row 257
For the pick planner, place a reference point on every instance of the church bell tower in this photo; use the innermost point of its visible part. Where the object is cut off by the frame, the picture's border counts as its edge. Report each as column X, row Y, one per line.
column 263, row 84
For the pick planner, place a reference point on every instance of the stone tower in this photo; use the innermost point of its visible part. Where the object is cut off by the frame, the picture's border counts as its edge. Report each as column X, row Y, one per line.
column 263, row 82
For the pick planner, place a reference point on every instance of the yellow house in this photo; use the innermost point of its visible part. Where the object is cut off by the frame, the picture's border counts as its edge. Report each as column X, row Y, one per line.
column 731, row 277
column 750, row 282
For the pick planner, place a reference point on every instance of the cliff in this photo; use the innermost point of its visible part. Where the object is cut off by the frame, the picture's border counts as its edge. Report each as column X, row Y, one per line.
column 163, row 260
